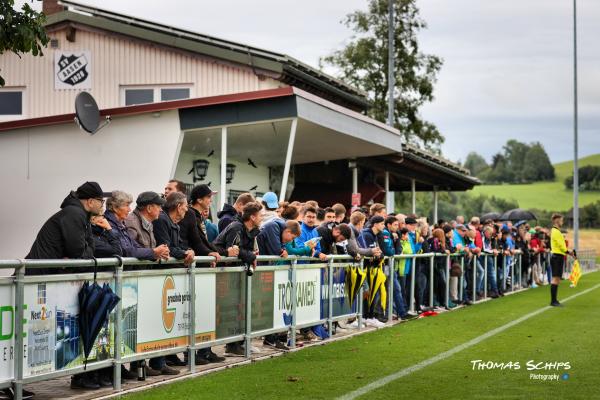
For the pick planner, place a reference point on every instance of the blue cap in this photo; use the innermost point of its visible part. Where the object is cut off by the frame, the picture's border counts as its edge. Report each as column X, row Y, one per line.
column 270, row 199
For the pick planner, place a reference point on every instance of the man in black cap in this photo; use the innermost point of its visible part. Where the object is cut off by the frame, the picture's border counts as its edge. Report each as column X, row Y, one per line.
column 68, row 233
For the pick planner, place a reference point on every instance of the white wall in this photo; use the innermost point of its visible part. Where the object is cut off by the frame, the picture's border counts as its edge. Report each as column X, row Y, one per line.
column 244, row 178
column 39, row 166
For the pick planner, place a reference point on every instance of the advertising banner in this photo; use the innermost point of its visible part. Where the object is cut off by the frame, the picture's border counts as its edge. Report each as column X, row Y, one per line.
column 308, row 307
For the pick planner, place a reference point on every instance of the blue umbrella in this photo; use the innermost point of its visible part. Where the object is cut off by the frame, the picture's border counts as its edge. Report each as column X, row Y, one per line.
column 95, row 304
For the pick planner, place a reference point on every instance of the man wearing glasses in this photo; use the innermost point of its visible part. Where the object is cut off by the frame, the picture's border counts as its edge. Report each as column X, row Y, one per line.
column 68, row 234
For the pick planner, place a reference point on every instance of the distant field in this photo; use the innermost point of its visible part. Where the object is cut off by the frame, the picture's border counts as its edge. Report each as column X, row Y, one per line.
column 544, row 195
column 588, row 239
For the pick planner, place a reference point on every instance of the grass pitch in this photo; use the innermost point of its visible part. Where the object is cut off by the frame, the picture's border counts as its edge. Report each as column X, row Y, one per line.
column 567, row 335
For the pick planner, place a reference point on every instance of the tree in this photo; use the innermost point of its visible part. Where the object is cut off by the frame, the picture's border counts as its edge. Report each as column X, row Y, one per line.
column 21, row 31
column 589, row 178
column 475, row 163
column 537, row 165
column 364, row 64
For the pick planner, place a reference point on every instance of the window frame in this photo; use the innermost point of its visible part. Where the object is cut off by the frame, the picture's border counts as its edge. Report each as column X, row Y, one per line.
column 156, row 94
column 10, row 117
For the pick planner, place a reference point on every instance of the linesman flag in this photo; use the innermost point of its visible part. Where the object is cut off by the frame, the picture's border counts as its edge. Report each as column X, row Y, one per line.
column 575, row 273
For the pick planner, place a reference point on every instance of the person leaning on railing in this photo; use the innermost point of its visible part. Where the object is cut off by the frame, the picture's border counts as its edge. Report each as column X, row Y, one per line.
column 68, row 233
column 166, row 230
column 139, row 224
column 118, row 209
column 242, row 233
column 140, row 230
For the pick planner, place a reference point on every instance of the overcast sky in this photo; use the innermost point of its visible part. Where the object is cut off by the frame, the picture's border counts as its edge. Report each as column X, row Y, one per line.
column 507, row 63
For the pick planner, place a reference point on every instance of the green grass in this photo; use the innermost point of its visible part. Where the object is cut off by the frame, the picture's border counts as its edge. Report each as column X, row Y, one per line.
column 323, row 372
column 544, row 195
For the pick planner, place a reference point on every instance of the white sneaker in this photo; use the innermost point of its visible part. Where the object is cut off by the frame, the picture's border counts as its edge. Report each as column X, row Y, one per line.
column 374, row 322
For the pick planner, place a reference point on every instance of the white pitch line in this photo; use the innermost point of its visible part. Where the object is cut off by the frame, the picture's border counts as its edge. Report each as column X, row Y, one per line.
column 403, row 372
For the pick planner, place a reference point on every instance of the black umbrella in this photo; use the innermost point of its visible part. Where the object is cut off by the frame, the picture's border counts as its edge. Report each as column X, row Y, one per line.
column 517, row 215
column 494, row 216
column 95, row 304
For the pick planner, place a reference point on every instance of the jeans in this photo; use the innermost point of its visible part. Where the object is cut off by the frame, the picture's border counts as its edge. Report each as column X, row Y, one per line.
column 399, row 305
column 491, row 275
column 157, row 363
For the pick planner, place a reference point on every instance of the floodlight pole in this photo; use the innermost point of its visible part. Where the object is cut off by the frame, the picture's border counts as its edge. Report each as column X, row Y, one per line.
column 391, row 80
column 575, row 133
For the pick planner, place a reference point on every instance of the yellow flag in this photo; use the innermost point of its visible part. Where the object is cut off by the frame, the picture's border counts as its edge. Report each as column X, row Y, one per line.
column 575, row 273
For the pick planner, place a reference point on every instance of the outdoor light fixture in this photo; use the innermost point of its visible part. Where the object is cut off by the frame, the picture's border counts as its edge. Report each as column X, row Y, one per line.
column 199, row 169
column 229, row 172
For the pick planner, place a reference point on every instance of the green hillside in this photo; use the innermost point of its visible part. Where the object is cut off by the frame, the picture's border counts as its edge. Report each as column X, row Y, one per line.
column 545, row 195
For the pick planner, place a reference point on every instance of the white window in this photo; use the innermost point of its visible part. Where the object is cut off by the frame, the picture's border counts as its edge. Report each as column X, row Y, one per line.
column 12, row 103
column 131, row 95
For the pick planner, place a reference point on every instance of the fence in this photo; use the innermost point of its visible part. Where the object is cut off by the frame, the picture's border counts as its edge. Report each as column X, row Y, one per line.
column 174, row 310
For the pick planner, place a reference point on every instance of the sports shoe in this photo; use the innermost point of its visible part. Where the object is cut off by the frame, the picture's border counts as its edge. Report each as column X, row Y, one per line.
column 213, row 358
column 83, row 381
column 166, row 370
column 374, row 322
column 309, row 336
column 173, row 360
column 556, row 304
column 234, row 350
column 9, row 393
column 152, row 372
column 128, row 373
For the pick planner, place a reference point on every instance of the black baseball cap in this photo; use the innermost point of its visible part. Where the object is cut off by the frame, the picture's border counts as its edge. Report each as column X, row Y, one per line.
column 200, row 191
column 376, row 219
column 146, row 198
column 91, row 190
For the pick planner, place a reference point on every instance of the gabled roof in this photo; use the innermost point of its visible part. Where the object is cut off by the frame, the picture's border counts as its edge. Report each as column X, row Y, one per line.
column 286, row 69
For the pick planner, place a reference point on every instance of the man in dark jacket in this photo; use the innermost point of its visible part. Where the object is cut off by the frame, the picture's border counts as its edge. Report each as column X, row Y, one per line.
column 166, row 230
column 242, row 234
column 228, row 214
column 68, row 233
column 333, row 238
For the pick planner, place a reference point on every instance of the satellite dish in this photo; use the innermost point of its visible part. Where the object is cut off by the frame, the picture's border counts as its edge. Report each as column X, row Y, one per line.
column 87, row 114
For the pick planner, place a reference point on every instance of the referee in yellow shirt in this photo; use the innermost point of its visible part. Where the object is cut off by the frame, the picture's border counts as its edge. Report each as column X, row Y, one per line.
column 557, row 261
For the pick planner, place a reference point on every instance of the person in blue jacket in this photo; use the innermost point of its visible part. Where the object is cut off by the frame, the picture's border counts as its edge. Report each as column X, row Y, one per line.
column 309, row 232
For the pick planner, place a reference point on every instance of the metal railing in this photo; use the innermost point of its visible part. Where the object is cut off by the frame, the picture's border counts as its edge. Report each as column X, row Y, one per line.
column 228, row 270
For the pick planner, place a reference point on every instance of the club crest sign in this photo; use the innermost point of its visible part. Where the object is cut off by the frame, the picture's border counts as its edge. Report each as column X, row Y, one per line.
column 72, row 70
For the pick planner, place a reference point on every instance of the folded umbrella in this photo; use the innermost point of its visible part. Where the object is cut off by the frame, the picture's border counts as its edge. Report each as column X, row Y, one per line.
column 377, row 284
column 355, row 278
column 95, row 304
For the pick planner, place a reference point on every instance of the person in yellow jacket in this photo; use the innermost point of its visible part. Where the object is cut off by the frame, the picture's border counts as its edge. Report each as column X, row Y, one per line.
column 557, row 261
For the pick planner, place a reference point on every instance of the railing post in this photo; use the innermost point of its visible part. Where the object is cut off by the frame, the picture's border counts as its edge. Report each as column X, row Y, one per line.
column 485, row 275
column 330, row 297
column 19, row 339
column 520, row 271
column 512, row 275
column 474, row 271
column 431, row 282
column 447, row 280
column 359, row 304
column 118, row 326
column 412, row 283
column 248, row 338
column 504, row 272
column 390, row 304
column 462, row 278
column 294, row 304
column 192, row 310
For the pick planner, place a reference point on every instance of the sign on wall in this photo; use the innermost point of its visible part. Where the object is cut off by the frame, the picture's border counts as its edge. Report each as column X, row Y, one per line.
column 72, row 70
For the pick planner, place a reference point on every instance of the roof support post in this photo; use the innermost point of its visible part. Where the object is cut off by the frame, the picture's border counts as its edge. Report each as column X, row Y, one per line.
column 413, row 189
column 223, row 188
column 435, row 205
column 288, row 160
column 389, row 196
